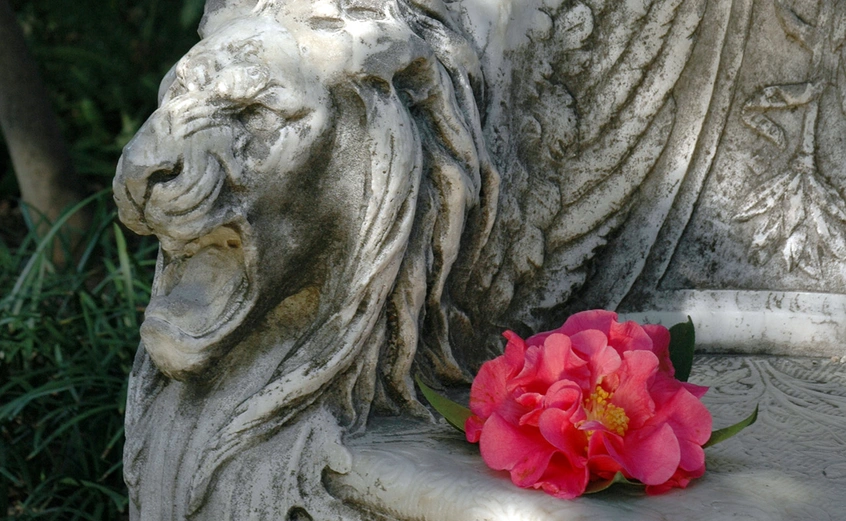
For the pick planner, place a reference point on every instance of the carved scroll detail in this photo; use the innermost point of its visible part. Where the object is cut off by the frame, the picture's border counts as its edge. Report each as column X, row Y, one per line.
column 798, row 210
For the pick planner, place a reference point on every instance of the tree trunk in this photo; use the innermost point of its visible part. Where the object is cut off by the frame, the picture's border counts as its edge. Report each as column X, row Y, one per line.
column 40, row 157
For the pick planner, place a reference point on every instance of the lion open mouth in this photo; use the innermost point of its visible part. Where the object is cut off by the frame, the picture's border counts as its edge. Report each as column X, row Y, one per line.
column 200, row 295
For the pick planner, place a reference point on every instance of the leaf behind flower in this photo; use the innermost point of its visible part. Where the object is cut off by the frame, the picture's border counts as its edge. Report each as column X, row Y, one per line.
column 682, row 342
column 723, row 434
column 599, row 486
column 454, row 413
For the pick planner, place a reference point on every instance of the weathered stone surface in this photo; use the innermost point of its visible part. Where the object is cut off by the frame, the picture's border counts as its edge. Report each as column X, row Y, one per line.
column 756, row 231
column 349, row 192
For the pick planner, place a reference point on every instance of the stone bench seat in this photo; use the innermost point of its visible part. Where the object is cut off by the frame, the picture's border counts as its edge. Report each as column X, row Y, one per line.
column 790, row 465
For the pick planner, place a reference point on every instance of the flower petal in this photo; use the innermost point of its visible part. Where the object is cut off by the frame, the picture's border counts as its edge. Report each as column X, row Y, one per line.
column 598, row 319
column 683, row 411
column 633, row 394
column 473, row 428
column 521, row 451
column 490, row 387
column 530, row 400
column 692, row 455
column 564, row 394
column 563, row 478
column 660, row 336
column 696, row 390
column 549, row 363
column 650, row 455
column 515, row 351
column 602, row 359
column 680, row 479
column 629, row 336
column 602, row 465
column 533, row 402
column 557, row 429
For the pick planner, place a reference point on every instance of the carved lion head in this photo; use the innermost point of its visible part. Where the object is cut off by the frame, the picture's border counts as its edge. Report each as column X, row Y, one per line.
column 327, row 149
column 230, row 174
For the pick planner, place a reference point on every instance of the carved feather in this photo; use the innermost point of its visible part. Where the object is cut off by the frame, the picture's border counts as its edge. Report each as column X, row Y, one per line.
column 580, row 168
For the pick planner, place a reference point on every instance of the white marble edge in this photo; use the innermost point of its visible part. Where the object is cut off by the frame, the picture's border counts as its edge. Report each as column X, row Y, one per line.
column 755, row 322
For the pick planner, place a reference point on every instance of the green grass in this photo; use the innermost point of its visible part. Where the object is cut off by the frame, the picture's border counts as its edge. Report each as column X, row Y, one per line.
column 68, row 334
column 67, row 340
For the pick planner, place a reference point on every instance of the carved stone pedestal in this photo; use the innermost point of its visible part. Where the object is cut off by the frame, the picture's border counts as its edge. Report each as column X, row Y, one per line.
column 790, row 465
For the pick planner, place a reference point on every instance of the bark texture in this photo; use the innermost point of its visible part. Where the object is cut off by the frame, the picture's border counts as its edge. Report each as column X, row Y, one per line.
column 40, row 157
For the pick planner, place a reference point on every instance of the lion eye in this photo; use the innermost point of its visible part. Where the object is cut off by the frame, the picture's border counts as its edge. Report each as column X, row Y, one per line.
column 258, row 118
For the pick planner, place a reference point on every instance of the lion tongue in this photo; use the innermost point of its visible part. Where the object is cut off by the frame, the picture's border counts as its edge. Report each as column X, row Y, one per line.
column 211, row 284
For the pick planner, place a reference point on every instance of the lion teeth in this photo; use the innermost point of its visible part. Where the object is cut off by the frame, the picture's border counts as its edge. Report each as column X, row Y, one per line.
column 224, row 237
column 178, row 253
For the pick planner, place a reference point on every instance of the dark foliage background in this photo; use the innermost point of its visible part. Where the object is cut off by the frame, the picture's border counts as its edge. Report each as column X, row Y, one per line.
column 68, row 333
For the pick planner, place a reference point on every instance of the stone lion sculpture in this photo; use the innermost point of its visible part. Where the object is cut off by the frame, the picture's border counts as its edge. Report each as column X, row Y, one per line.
column 319, row 174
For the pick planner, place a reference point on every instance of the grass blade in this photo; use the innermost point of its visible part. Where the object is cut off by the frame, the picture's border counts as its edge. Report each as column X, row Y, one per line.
column 46, row 242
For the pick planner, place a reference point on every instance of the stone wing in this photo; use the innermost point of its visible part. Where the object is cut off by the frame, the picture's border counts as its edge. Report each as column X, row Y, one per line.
column 598, row 138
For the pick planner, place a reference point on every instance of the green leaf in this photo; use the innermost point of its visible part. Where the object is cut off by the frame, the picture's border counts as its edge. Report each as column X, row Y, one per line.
column 455, row 414
column 726, row 433
column 599, row 486
column 682, row 341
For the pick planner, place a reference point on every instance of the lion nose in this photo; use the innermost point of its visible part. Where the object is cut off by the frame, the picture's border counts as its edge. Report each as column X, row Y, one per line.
column 140, row 177
column 145, row 162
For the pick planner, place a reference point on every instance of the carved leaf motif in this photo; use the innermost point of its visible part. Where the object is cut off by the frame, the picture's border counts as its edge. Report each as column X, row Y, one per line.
column 775, row 97
column 793, row 248
column 767, row 233
column 794, row 210
column 763, row 199
column 829, row 216
column 802, row 31
column 835, row 241
column 765, row 127
column 784, row 96
column 766, row 199
column 813, row 264
column 802, row 212
column 833, row 203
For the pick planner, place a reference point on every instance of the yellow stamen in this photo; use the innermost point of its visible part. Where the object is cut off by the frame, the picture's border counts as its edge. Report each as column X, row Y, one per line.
column 599, row 408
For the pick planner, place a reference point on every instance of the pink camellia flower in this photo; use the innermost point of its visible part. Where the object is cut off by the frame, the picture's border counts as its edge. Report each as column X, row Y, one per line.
column 585, row 401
